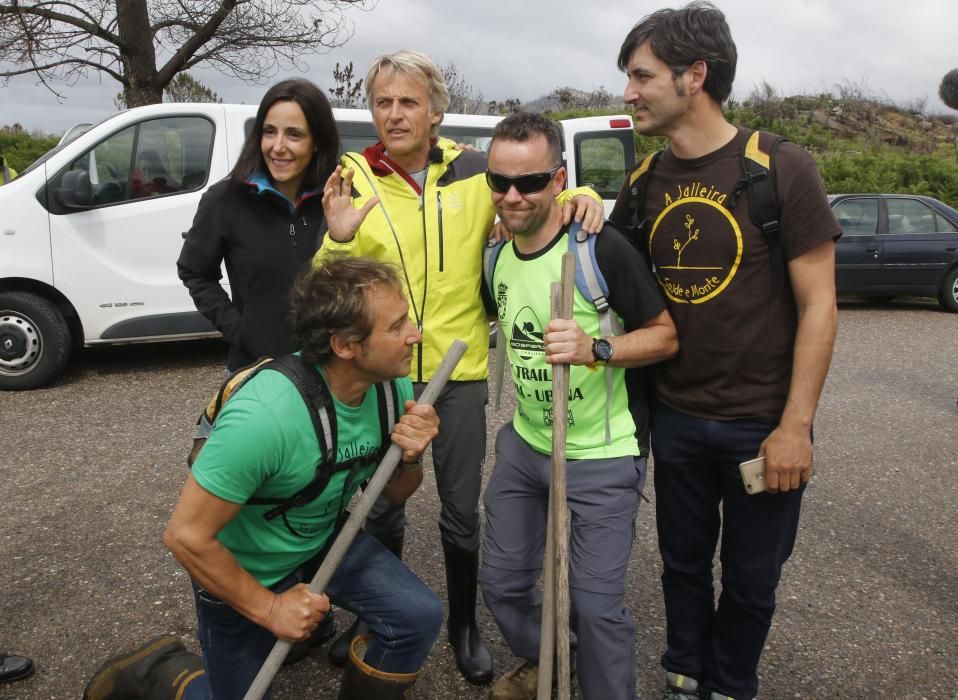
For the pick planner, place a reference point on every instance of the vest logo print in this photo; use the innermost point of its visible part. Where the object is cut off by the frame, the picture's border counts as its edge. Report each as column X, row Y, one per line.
column 696, row 246
column 450, row 200
column 547, row 417
column 502, row 299
column 526, row 338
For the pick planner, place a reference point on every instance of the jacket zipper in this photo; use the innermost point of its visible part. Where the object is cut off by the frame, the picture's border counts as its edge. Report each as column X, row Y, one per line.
column 425, row 277
column 292, row 233
column 439, row 207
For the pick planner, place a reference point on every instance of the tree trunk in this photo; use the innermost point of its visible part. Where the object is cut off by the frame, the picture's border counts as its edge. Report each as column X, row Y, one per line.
column 140, row 86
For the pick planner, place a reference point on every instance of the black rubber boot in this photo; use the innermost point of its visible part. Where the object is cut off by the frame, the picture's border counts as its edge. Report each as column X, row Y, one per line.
column 158, row 670
column 339, row 650
column 363, row 682
column 472, row 658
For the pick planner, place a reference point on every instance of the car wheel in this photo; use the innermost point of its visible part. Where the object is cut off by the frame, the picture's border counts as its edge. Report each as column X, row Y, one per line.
column 948, row 295
column 34, row 341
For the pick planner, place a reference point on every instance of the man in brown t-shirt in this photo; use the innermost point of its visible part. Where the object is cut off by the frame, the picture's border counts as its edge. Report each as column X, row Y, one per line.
column 755, row 344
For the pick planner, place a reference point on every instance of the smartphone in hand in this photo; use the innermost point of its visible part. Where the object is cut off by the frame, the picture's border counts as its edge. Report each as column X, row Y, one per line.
column 753, row 475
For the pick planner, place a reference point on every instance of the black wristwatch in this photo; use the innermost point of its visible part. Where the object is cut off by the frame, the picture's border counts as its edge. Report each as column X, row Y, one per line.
column 601, row 350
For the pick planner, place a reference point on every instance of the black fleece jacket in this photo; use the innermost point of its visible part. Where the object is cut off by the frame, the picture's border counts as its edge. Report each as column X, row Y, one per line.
column 265, row 245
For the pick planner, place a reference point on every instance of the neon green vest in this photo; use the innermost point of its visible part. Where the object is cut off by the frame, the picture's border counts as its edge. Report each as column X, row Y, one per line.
column 521, row 289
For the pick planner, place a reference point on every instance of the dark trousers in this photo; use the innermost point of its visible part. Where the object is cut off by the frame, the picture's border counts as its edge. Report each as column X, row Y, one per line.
column 699, row 493
column 457, row 456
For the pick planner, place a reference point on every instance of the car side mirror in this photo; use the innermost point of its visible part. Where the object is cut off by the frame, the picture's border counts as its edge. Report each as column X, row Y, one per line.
column 75, row 191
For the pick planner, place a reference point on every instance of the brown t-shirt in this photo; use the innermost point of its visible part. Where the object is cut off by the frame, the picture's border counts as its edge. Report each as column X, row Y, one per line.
column 735, row 316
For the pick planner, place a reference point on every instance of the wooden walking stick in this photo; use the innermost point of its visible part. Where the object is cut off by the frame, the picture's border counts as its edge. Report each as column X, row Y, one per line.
column 556, row 614
column 355, row 521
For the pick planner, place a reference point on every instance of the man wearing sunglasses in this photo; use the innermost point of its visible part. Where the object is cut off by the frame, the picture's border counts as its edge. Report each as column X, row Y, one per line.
column 417, row 201
column 605, row 473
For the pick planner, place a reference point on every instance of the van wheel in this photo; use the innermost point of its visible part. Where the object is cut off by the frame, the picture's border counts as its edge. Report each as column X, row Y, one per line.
column 34, row 341
column 948, row 295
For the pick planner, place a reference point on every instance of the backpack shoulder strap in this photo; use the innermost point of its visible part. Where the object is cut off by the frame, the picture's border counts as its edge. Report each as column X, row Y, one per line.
column 592, row 285
column 489, row 259
column 638, row 184
column 312, row 388
column 387, row 395
column 758, row 175
column 232, row 384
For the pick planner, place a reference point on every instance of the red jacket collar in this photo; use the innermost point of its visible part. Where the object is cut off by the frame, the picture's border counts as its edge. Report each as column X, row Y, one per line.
column 382, row 165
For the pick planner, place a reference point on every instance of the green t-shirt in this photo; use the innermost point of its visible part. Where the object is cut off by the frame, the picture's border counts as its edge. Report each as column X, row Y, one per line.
column 521, row 287
column 263, row 445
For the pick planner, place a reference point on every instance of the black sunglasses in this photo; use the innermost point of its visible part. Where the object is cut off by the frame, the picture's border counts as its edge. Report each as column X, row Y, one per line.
column 524, row 184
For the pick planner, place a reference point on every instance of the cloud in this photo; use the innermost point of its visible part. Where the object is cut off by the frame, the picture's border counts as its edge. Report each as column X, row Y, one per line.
column 527, row 48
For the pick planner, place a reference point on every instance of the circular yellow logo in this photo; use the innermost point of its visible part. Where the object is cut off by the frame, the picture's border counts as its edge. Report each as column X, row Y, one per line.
column 696, row 246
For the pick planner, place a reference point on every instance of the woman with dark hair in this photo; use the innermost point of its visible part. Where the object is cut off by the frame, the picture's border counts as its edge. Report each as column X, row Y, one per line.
column 264, row 220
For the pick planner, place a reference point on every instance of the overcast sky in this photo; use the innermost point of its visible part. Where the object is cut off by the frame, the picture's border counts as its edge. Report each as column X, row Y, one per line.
column 527, row 48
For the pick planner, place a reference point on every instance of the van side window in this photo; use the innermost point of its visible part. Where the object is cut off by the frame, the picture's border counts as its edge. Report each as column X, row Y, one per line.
column 602, row 161
column 154, row 158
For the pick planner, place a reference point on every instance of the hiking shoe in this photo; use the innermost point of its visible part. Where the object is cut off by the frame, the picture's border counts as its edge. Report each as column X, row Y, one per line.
column 520, row 683
column 325, row 631
column 679, row 687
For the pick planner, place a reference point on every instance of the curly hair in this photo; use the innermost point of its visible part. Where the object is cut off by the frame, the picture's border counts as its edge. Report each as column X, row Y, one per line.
column 332, row 299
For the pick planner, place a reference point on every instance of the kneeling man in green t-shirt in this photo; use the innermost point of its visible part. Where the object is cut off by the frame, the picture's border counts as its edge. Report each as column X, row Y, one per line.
column 249, row 569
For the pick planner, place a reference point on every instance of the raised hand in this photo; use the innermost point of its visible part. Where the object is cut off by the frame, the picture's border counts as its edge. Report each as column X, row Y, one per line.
column 342, row 218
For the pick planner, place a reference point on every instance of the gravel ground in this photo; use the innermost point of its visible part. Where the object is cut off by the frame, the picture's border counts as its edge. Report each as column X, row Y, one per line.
column 868, row 608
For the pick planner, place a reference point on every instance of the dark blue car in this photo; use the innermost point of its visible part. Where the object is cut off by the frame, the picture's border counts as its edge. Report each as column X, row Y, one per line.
column 897, row 244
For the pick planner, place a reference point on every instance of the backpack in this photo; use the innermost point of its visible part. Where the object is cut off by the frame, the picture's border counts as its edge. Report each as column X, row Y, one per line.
column 315, row 394
column 758, row 175
column 590, row 283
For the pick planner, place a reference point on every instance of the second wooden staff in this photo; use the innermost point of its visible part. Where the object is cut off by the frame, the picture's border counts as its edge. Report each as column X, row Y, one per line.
column 554, row 634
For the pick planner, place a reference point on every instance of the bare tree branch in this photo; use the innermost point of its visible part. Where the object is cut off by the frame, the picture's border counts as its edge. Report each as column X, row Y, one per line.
column 65, row 40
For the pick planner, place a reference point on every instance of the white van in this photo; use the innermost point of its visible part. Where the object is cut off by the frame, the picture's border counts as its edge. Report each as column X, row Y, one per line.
column 90, row 233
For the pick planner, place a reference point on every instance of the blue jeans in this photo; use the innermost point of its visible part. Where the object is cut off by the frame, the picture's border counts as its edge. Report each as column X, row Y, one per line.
column 696, row 472
column 404, row 615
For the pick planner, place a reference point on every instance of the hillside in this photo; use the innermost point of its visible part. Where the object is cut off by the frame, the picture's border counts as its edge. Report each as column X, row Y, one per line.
column 861, row 144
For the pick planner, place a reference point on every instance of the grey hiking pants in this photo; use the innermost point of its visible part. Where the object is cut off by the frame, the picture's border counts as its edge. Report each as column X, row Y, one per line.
column 603, row 497
column 457, row 455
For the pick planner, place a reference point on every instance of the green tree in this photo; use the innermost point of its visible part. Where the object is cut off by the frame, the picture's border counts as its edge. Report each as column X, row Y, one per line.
column 948, row 90
column 185, row 88
column 63, row 41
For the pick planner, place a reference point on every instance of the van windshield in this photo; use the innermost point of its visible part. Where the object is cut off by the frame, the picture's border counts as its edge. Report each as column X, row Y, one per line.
column 69, row 136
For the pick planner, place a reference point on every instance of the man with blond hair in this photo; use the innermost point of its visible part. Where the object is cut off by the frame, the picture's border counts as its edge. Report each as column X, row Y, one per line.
column 416, row 200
